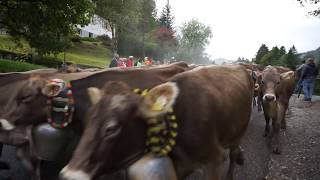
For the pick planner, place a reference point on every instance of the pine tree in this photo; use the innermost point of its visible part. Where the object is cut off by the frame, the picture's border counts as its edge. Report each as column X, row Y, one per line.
column 263, row 50
column 166, row 19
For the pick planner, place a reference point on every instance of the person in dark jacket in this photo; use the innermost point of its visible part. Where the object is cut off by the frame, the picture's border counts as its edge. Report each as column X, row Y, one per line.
column 114, row 61
column 308, row 78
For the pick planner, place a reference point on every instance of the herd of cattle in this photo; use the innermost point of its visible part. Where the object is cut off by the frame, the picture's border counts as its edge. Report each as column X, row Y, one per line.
column 104, row 124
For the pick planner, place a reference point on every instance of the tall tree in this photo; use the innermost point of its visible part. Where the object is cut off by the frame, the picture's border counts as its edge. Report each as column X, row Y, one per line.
column 121, row 15
column 263, row 50
column 290, row 59
column 167, row 19
column 46, row 25
column 272, row 57
column 147, row 20
column 195, row 36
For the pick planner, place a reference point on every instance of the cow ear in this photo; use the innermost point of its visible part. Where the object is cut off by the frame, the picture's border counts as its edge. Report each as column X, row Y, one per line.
column 159, row 100
column 287, row 75
column 95, row 94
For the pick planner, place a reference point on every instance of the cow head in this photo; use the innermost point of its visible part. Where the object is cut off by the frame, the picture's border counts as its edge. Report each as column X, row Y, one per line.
column 115, row 134
column 28, row 103
column 270, row 80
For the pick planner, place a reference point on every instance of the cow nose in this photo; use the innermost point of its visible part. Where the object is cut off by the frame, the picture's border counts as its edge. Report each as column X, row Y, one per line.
column 269, row 97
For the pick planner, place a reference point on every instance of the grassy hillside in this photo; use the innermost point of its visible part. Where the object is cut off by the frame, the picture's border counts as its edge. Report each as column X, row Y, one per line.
column 83, row 53
column 88, row 53
column 15, row 66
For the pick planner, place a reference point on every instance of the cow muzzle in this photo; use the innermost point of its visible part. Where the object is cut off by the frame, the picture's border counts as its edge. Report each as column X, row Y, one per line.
column 70, row 174
column 6, row 125
column 269, row 98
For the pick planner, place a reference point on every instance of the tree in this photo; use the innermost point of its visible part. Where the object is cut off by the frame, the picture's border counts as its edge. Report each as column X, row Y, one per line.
column 315, row 4
column 122, row 16
column 167, row 19
column 46, row 25
column 272, row 57
column 290, row 59
column 195, row 37
column 263, row 50
column 147, row 20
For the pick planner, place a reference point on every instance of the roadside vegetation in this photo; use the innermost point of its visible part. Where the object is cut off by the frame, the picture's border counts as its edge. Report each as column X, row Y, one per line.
column 16, row 66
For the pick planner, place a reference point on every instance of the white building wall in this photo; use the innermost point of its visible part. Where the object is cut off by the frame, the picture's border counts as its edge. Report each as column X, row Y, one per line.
column 98, row 27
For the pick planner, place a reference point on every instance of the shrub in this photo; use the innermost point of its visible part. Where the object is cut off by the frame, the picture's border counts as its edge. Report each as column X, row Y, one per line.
column 89, row 39
column 15, row 66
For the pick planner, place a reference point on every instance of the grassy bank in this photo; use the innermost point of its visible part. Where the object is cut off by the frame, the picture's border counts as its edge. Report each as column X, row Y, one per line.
column 85, row 53
column 15, row 66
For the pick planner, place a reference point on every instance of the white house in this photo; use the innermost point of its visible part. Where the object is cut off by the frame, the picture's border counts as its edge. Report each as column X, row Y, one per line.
column 97, row 27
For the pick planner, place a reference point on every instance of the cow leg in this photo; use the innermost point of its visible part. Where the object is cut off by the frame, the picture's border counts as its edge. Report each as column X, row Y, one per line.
column 267, row 127
column 282, row 112
column 259, row 102
column 276, row 136
column 236, row 156
column 3, row 165
column 254, row 103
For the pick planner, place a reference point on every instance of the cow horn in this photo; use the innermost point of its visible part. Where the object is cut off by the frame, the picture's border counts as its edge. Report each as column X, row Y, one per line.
column 95, row 94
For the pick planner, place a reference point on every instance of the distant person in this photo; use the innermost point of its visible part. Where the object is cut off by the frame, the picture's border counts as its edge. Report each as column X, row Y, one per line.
column 308, row 78
column 130, row 61
column 298, row 76
column 122, row 62
column 138, row 63
column 300, row 68
column 148, row 61
column 114, row 61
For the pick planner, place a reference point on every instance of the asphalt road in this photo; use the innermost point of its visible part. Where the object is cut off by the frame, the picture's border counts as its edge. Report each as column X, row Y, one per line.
column 300, row 158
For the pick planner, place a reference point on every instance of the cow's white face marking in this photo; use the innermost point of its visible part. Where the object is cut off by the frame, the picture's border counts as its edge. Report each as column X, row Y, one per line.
column 68, row 174
column 117, row 102
column 269, row 96
column 6, row 125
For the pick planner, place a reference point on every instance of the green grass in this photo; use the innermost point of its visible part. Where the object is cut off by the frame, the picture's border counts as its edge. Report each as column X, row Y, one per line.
column 7, row 44
column 15, row 66
column 88, row 53
column 85, row 53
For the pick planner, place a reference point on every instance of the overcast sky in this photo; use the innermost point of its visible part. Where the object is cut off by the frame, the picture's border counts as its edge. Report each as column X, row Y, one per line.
column 239, row 27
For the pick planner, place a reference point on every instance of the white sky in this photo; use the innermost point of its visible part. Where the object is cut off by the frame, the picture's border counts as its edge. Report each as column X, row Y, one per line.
column 239, row 27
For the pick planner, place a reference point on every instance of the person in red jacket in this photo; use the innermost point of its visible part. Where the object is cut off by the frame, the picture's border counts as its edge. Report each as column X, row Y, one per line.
column 130, row 61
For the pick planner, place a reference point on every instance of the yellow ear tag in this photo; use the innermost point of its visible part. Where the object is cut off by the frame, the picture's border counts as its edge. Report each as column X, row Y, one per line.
column 159, row 104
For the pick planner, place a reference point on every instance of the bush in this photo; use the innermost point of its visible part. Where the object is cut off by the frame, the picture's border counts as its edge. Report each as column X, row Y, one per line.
column 15, row 66
column 46, row 61
column 89, row 39
column 76, row 38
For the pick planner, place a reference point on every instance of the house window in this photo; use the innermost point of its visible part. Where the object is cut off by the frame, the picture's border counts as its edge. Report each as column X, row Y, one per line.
column 90, row 35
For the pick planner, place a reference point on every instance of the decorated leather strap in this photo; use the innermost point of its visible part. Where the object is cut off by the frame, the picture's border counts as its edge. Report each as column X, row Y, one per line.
column 161, row 134
column 61, row 106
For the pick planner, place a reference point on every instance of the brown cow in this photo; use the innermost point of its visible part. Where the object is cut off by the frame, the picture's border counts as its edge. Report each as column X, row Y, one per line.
column 26, row 96
column 212, row 105
column 276, row 91
column 19, row 136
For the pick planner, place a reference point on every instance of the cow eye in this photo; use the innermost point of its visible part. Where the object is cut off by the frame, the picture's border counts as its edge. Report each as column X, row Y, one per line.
column 262, row 82
column 111, row 129
column 278, row 82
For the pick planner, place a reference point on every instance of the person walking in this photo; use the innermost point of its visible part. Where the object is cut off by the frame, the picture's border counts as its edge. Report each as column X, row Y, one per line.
column 308, row 79
column 299, row 69
column 114, row 62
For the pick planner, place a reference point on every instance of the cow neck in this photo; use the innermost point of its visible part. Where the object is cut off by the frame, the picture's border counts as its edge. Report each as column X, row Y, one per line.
column 161, row 131
column 60, row 107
